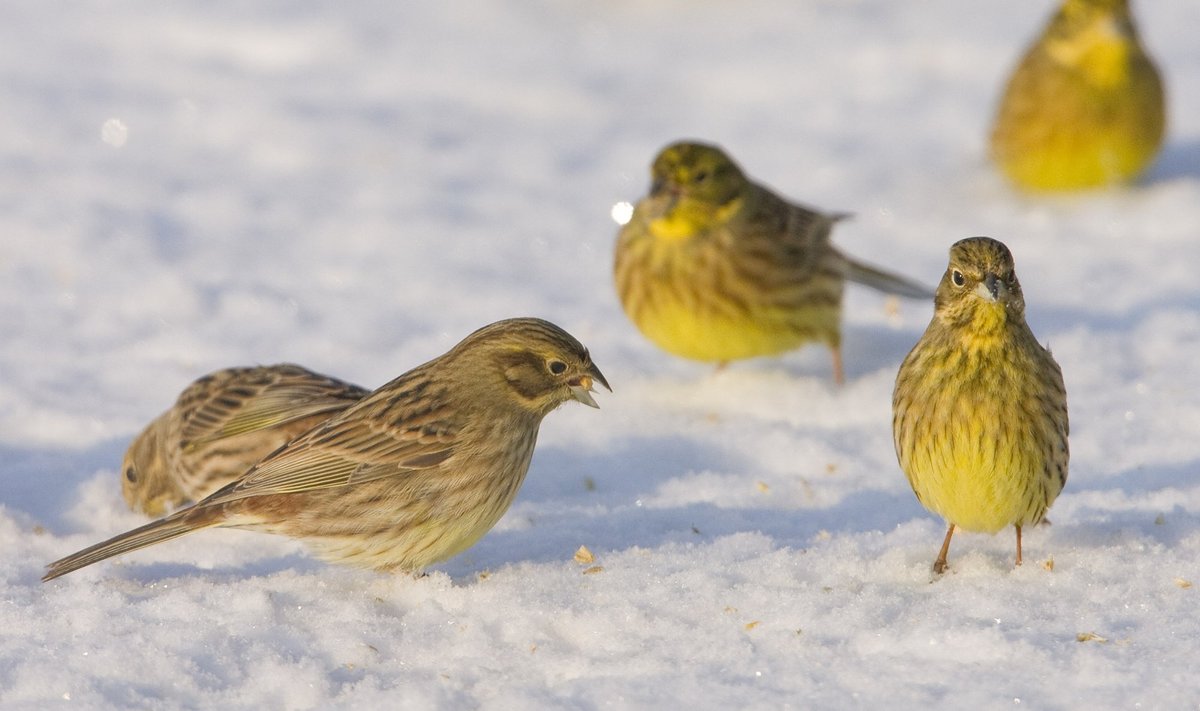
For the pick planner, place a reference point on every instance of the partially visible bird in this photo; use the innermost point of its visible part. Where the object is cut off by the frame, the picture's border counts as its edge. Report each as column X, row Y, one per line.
column 410, row 475
column 715, row 267
column 1085, row 107
column 979, row 413
column 220, row 426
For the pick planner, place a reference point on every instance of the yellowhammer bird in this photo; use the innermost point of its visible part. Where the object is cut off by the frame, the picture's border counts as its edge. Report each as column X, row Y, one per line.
column 410, row 475
column 220, row 426
column 980, row 410
column 1085, row 106
column 715, row 267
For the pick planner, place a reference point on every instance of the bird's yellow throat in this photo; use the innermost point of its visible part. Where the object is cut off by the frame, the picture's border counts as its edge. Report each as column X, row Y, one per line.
column 689, row 218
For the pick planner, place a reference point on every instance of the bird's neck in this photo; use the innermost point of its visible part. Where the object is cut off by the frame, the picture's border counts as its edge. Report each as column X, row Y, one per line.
column 686, row 217
column 982, row 327
column 1103, row 54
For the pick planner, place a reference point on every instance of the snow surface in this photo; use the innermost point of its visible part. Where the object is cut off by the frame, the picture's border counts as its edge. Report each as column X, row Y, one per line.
column 192, row 185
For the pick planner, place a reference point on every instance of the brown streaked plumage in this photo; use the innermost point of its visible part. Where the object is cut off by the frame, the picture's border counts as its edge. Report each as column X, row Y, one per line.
column 220, row 426
column 413, row 473
column 979, row 412
column 715, row 267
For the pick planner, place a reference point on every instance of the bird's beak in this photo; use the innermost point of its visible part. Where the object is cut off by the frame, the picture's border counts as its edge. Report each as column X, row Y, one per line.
column 667, row 187
column 581, row 387
column 991, row 288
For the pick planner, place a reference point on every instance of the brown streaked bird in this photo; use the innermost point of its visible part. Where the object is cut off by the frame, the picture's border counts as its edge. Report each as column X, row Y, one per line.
column 220, row 426
column 979, row 413
column 413, row 473
column 715, row 267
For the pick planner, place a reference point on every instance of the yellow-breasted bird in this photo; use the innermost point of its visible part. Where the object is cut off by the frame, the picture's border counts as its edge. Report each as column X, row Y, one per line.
column 411, row 474
column 1085, row 107
column 715, row 267
column 979, row 413
column 220, row 426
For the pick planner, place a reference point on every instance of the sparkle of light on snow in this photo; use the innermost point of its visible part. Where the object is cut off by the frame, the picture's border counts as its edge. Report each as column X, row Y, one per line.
column 621, row 212
column 114, row 132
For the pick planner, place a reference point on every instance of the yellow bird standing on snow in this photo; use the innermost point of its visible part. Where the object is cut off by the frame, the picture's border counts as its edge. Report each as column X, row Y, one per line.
column 979, row 413
column 715, row 267
column 1085, row 107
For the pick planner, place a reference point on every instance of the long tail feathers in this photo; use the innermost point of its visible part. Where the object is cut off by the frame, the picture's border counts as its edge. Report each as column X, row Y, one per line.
column 173, row 526
column 886, row 281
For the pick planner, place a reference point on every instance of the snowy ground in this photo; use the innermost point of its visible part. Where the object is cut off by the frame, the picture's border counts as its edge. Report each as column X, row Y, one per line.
column 187, row 186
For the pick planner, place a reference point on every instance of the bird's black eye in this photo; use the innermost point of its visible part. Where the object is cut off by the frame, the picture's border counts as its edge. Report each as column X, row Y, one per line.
column 557, row 367
column 957, row 277
column 131, row 475
column 700, row 176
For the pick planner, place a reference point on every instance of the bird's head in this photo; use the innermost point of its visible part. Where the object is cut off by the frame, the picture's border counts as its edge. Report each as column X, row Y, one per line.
column 1095, row 38
column 694, row 187
column 540, row 365
column 980, row 290
column 145, row 480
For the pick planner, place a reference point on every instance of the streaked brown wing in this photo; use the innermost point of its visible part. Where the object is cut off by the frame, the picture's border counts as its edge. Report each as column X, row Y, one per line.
column 376, row 438
column 242, row 400
column 805, row 240
column 788, row 240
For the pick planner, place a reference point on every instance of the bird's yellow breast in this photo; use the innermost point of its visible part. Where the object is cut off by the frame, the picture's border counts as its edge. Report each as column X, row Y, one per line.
column 973, row 476
column 693, row 299
column 677, row 326
column 977, row 448
column 1088, row 112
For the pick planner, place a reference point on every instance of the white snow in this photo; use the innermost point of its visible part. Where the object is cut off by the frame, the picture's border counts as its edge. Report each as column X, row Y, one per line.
column 193, row 185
